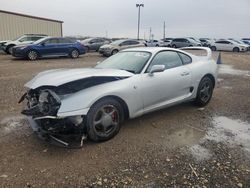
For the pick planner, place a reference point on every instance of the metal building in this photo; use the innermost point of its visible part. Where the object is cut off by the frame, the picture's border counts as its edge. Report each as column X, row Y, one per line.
column 13, row 25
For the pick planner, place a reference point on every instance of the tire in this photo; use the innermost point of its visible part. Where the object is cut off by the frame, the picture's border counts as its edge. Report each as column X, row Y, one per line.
column 190, row 45
column 174, row 46
column 99, row 119
column 236, row 49
column 213, row 48
column 32, row 55
column 114, row 52
column 74, row 54
column 157, row 45
column 9, row 49
column 204, row 92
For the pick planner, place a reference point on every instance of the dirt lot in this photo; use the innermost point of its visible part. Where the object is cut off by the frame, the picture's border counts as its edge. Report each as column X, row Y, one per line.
column 182, row 146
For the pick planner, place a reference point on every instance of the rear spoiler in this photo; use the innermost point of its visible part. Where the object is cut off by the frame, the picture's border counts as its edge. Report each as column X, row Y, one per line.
column 208, row 50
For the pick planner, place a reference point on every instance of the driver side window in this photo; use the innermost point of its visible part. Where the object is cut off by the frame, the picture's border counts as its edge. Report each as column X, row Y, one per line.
column 168, row 58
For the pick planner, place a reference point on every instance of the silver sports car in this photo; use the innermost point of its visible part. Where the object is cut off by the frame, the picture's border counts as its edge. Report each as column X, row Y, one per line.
column 93, row 102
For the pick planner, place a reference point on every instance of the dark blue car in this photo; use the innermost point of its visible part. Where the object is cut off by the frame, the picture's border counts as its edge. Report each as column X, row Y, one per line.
column 49, row 47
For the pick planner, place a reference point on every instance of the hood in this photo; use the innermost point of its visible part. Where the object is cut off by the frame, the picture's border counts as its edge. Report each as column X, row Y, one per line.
column 4, row 41
column 58, row 77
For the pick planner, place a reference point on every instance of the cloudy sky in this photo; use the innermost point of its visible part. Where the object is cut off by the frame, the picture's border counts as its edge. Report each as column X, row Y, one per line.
column 199, row 18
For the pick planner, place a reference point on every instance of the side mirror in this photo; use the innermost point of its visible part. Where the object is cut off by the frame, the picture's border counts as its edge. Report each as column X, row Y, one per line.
column 42, row 44
column 156, row 68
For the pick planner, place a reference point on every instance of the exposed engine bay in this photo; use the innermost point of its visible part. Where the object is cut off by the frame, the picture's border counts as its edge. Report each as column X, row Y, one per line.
column 42, row 107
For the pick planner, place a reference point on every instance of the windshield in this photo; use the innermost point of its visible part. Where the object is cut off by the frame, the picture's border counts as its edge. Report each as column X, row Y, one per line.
column 130, row 61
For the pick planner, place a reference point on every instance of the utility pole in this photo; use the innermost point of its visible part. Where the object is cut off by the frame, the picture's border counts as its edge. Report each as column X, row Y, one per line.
column 164, row 30
column 139, row 14
column 150, row 35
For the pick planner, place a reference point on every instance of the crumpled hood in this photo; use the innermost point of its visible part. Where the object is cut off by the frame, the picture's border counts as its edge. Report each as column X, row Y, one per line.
column 56, row 77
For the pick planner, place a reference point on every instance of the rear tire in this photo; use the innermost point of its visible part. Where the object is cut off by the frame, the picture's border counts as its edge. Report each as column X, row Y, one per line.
column 213, row 48
column 74, row 54
column 174, row 46
column 104, row 119
column 236, row 49
column 204, row 92
column 32, row 55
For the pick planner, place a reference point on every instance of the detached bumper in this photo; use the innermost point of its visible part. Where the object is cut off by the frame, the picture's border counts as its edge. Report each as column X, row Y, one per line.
column 62, row 140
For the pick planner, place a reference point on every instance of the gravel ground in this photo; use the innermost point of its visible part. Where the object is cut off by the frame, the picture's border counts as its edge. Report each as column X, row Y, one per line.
column 182, row 146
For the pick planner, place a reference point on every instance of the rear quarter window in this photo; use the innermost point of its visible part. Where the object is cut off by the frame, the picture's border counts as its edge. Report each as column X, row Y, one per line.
column 185, row 58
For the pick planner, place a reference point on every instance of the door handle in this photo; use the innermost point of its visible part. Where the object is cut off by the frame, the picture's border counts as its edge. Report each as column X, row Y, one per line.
column 185, row 74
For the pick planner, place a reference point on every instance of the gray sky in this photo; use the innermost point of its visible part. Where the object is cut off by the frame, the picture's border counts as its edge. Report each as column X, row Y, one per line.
column 199, row 18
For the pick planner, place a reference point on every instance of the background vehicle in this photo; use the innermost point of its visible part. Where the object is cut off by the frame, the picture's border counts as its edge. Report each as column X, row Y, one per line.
column 165, row 42
column 184, row 42
column 206, row 42
column 94, row 43
column 95, row 101
column 152, row 43
column 49, row 47
column 228, row 45
column 25, row 39
column 116, row 46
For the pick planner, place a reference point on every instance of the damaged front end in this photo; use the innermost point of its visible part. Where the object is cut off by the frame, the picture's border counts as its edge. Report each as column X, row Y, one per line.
column 42, row 106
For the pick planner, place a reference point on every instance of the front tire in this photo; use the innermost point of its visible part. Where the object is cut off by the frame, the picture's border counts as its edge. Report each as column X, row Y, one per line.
column 236, row 49
column 114, row 52
column 204, row 92
column 74, row 54
column 104, row 119
column 213, row 48
column 32, row 55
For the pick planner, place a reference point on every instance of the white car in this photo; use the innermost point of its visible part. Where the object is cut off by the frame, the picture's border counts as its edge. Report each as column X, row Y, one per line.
column 152, row 43
column 23, row 40
column 228, row 45
column 93, row 102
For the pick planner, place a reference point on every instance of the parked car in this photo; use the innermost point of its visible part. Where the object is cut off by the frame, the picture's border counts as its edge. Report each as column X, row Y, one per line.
column 94, row 102
column 206, row 42
column 95, row 43
column 152, row 43
column 116, row 46
column 23, row 40
column 228, row 45
column 184, row 42
column 49, row 47
column 165, row 42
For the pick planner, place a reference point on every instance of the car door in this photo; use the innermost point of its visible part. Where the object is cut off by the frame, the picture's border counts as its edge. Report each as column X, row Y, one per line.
column 64, row 46
column 135, row 43
column 125, row 44
column 93, row 44
column 169, row 86
column 49, row 47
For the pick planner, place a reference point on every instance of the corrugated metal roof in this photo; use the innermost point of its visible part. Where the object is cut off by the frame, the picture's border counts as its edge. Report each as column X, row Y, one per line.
column 29, row 16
